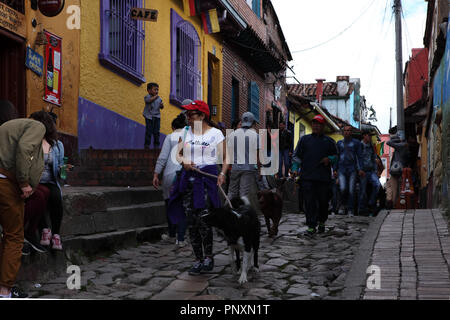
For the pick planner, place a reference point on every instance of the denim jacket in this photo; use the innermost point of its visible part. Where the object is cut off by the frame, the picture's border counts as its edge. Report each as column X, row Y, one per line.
column 58, row 160
column 348, row 155
column 368, row 159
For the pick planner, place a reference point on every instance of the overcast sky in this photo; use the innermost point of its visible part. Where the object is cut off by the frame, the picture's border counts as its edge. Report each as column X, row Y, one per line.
column 362, row 44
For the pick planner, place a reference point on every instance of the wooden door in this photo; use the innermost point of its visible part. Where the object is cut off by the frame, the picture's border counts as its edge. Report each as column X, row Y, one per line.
column 12, row 71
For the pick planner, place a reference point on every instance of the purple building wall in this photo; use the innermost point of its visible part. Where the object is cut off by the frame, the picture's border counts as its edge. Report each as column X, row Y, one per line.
column 101, row 128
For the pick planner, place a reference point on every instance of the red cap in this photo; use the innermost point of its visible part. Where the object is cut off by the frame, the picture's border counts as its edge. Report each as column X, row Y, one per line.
column 319, row 118
column 198, row 105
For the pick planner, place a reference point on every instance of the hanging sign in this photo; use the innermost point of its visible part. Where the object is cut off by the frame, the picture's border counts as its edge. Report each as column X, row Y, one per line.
column 144, row 14
column 53, row 69
column 35, row 62
column 12, row 20
column 51, row 8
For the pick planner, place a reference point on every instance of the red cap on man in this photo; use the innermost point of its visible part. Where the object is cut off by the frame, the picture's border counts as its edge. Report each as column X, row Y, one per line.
column 319, row 119
column 198, row 105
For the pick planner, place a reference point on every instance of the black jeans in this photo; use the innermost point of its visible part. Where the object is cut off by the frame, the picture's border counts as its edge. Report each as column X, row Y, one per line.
column 54, row 207
column 316, row 195
column 152, row 127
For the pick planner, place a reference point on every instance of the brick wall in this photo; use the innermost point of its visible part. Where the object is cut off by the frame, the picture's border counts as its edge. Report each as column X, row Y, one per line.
column 251, row 18
column 235, row 66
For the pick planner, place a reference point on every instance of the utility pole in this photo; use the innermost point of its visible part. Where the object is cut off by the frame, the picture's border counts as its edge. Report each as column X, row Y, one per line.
column 399, row 60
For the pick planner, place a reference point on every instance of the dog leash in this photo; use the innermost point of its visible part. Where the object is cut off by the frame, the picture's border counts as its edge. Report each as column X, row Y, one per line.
column 220, row 187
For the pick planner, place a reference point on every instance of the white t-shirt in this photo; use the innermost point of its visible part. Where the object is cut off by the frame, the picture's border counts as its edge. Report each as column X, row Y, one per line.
column 202, row 149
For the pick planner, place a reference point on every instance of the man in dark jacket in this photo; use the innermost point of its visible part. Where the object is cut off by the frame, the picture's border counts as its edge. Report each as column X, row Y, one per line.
column 285, row 150
column 314, row 154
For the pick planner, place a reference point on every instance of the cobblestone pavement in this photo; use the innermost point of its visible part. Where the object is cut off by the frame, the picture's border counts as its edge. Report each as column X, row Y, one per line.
column 291, row 267
column 412, row 251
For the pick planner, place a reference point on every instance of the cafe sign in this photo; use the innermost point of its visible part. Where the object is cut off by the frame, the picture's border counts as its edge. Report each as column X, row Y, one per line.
column 144, row 14
column 12, row 20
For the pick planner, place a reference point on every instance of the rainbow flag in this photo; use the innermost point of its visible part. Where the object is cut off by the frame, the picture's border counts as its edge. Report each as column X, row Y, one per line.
column 210, row 21
column 191, row 7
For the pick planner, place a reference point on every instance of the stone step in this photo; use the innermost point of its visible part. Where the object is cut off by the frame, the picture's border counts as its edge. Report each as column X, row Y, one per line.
column 115, row 219
column 40, row 267
column 90, row 245
column 85, row 200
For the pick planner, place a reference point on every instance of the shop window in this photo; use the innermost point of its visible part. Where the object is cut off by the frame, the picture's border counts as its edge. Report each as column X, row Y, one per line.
column 185, row 50
column 122, row 39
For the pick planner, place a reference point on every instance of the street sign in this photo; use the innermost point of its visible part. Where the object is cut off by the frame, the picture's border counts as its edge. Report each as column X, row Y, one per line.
column 144, row 14
column 35, row 62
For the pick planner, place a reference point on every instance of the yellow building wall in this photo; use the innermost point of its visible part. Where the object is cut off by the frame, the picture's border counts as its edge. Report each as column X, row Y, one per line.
column 68, row 112
column 105, row 88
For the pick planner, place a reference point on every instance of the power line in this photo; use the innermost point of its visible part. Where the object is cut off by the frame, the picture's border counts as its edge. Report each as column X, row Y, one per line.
column 339, row 34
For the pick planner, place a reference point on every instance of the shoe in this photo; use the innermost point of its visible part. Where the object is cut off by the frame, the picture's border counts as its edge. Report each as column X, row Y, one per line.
column 5, row 297
column 208, row 264
column 46, row 237
column 26, row 249
column 350, row 214
column 196, row 269
column 308, row 233
column 341, row 212
column 35, row 245
column 56, row 242
column 321, row 228
column 180, row 244
column 16, row 293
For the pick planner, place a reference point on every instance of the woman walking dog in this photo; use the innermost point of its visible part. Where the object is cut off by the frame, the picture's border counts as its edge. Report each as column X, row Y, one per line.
column 202, row 149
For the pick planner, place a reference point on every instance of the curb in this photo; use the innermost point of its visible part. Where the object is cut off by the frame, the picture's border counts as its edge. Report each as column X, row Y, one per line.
column 355, row 281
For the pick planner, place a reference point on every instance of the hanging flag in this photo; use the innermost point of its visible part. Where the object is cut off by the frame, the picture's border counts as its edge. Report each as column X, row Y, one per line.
column 191, row 7
column 210, row 21
column 380, row 148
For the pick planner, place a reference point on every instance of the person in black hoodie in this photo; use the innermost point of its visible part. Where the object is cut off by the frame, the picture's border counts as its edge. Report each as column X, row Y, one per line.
column 314, row 154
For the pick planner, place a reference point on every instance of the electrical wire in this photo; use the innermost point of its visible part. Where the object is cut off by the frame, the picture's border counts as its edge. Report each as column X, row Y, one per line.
column 337, row 35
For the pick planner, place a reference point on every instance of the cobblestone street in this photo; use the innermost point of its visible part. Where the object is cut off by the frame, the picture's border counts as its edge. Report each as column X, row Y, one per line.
column 291, row 267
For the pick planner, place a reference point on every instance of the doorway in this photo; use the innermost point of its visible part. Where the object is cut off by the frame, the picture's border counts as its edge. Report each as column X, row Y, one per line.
column 12, row 71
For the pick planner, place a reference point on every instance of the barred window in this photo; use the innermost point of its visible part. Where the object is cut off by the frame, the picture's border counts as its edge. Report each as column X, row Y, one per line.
column 122, row 40
column 185, row 73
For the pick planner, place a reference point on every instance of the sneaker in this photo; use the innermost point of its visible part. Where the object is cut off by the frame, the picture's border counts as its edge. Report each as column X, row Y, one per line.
column 56, row 242
column 26, row 249
column 196, row 269
column 16, row 293
column 321, row 228
column 35, row 245
column 5, row 297
column 180, row 244
column 208, row 264
column 341, row 212
column 350, row 214
column 308, row 233
column 46, row 237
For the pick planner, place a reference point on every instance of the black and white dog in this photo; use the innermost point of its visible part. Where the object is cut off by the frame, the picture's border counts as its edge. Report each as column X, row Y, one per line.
column 241, row 222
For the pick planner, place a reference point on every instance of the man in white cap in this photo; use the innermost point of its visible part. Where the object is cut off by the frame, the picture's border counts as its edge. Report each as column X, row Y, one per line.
column 242, row 149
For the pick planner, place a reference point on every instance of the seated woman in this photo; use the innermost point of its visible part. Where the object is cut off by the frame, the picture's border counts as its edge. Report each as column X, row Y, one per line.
column 53, row 162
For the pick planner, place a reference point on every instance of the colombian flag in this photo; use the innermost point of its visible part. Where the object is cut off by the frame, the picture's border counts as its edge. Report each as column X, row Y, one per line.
column 191, row 7
column 210, row 21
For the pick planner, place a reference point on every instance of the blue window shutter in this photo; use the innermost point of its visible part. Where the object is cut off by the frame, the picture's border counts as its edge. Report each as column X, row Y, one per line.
column 257, row 7
column 253, row 98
